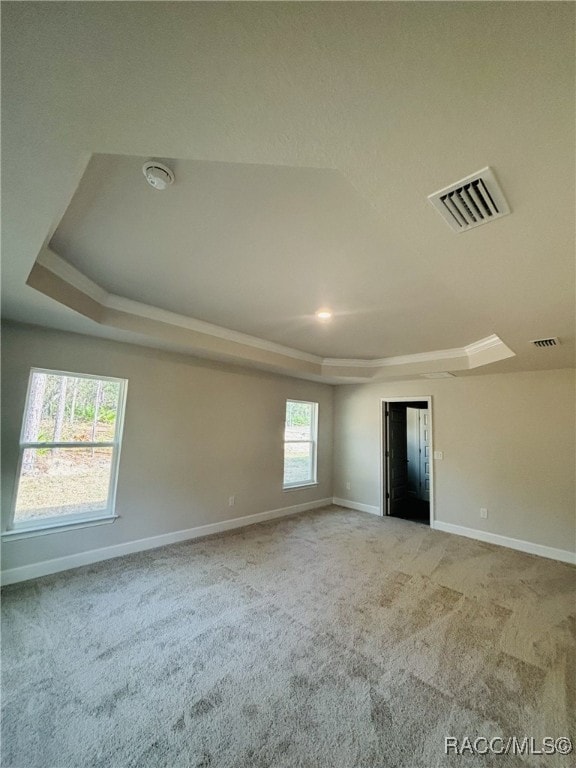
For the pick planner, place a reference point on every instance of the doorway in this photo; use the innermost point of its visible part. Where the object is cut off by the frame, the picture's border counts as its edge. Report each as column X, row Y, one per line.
column 407, row 459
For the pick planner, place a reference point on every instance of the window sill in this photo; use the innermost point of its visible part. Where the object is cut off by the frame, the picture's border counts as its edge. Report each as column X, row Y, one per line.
column 59, row 526
column 288, row 488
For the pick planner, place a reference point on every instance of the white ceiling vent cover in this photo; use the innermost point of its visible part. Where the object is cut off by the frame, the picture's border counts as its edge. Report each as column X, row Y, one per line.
column 553, row 341
column 473, row 201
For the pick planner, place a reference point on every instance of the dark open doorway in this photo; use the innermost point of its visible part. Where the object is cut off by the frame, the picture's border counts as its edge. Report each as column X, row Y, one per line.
column 407, row 460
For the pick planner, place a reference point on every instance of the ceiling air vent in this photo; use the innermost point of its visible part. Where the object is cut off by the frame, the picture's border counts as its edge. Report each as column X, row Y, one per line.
column 552, row 342
column 473, row 201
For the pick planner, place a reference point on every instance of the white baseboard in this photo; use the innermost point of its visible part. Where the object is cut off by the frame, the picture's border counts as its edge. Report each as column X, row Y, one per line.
column 356, row 505
column 46, row 567
column 530, row 547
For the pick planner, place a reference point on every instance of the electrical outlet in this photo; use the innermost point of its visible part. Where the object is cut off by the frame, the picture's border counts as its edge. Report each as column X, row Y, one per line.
column 483, row 512
column 231, row 501
column 438, row 455
column 348, row 486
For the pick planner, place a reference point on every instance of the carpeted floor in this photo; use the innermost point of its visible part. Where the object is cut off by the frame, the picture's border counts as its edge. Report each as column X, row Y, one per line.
column 332, row 639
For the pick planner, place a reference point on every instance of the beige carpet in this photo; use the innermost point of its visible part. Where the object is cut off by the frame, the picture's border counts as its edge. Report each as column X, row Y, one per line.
column 333, row 639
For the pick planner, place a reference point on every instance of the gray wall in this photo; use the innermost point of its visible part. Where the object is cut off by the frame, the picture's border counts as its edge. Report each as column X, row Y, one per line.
column 508, row 442
column 198, row 432
column 195, row 433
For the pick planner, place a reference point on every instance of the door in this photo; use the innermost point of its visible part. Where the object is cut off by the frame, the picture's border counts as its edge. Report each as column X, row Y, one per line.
column 396, row 457
column 413, row 451
column 424, row 456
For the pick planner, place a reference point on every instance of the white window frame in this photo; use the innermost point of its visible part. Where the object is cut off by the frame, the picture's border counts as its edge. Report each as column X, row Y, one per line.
column 313, row 442
column 21, row 529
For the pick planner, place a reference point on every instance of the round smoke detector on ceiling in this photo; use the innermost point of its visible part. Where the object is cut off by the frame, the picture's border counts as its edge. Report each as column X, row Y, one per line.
column 157, row 175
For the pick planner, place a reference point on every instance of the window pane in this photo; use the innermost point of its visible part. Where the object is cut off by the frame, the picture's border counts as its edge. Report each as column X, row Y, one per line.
column 297, row 463
column 70, row 409
column 299, row 421
column 62, row 481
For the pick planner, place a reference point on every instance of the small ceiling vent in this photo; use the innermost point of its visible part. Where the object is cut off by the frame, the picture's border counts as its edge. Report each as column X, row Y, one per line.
column 552, row 342
column 473, row 201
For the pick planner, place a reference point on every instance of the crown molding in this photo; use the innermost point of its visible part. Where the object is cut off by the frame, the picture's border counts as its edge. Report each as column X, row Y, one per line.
column 481, row 346
column 488, row 350
column 72, row 288
column 419, row 357
column 128, row 306
column 58, row 266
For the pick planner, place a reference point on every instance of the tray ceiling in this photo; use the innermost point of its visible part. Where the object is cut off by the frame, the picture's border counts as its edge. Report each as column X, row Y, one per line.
column 305, row 139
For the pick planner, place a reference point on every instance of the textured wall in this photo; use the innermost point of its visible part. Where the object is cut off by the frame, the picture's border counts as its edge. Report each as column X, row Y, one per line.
column 195, row 433
column 508, row 442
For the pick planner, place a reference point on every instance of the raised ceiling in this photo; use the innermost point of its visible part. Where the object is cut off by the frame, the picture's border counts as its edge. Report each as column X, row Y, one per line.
column 305, row 139
column 258, row 248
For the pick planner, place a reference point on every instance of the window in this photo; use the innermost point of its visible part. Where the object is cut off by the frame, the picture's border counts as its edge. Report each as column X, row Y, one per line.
column 69, row 449
column 300, row 439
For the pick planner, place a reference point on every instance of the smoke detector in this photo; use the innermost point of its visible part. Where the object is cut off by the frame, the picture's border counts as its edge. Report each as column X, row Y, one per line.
column 470, row 202
column 157, row 175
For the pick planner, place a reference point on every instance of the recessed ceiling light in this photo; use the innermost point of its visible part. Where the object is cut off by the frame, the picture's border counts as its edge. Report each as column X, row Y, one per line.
column 324, row 314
